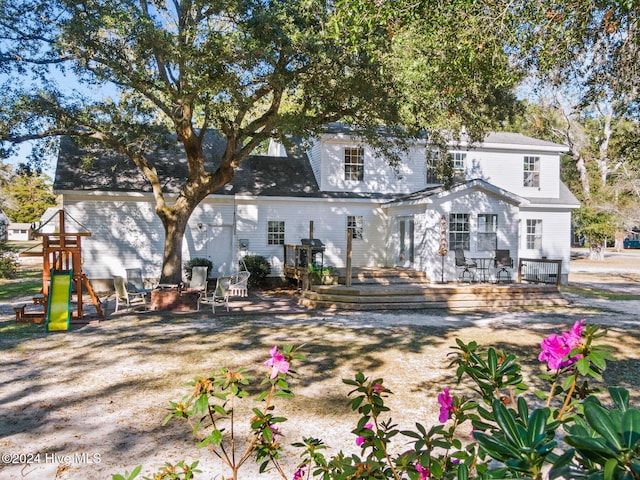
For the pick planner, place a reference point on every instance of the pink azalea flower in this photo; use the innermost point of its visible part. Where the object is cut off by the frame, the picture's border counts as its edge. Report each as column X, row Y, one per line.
column 277, row 363
column 423, row 471
column 573, row 337
column 299, row 473
column 446, row 405
column 555, row 348
column 377, row 387
column 361, row 440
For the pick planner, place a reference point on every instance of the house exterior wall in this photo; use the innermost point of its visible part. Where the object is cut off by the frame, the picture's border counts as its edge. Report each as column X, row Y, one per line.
column 505, row 169
column 126, row 232
column 329, row 225
column 379, row 177
column 556, row 236
column 19, row 232
column 427, row 229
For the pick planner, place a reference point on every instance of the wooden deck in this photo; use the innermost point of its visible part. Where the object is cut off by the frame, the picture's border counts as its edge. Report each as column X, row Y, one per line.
column 402, row 289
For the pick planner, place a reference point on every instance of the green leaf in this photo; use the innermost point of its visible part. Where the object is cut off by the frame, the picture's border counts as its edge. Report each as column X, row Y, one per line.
column 620, row 397
column 610, row 468
column 202, row 405
column 537, row 424
column 507, row 423
column 495, row 447
column 463, row 472
column 631, row 428
column 583, row 365
column 598, row 419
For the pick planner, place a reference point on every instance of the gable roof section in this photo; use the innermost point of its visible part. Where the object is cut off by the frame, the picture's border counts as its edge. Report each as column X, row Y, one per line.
column 104, row 171
column 430, row 195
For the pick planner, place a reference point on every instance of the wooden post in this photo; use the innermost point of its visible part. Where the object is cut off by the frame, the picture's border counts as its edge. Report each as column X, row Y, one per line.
column 310, row 228
column 347, row 280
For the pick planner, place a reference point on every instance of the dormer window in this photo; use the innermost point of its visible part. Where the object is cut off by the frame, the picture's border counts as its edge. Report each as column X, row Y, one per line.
column 354, row 164
column 531, row 171
column 457, row 161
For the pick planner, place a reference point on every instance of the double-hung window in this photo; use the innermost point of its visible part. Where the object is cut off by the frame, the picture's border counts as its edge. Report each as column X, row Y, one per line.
column 459, row 231
column 354, row 164
column 457, row 161
column 531, row 171
column 275, row 232
column 355, row 226
column 534, row 234
column 487, row 231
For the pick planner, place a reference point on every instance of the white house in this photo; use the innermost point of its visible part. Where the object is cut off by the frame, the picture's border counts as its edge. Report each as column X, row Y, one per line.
column 510, row 197
column 20, row 231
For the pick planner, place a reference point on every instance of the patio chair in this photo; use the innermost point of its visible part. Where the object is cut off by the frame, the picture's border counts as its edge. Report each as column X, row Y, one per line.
column 199, row 278
column 135, row 282
column 465, row 266
column 502, row 261
column 220, row 294
column 131, row 299
column 238, row 285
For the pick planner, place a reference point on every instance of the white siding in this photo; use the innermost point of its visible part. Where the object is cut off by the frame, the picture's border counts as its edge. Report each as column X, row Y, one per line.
column 315, row 156
column 505, row 169
column 329, row 225
column 408, row 176
column 427, row 230
column 556, row 236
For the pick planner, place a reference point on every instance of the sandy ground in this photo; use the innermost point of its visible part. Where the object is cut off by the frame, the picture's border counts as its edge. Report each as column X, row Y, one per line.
column 90, row 402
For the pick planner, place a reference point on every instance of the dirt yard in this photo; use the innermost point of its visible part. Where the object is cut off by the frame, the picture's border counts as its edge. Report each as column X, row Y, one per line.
column 91, row 401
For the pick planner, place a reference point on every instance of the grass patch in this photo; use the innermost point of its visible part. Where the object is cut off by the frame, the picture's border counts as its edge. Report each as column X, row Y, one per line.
column 11, row 331
column 19, row 287
column 604, row 294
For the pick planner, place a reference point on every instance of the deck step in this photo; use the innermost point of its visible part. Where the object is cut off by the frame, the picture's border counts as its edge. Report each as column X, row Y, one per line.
column 431, row 296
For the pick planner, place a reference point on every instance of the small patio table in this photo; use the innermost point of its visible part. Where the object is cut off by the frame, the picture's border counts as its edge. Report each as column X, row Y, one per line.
column 483, row 266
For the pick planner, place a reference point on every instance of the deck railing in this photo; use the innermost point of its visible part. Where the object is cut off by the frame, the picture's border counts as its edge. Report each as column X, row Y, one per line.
column 296, row 263
column 539, row 270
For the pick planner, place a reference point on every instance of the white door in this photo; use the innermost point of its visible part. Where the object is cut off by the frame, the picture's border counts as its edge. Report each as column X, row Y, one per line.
column 406, row 243
column 220, row 249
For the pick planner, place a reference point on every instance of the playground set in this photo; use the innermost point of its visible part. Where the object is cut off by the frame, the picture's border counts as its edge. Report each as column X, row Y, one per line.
column 63, row 281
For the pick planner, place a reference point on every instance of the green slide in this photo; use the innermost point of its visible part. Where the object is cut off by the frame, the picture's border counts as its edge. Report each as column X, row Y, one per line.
column 59, row 304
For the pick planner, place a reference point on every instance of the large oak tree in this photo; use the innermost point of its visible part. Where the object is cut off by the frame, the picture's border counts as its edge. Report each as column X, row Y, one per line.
column 153, row 71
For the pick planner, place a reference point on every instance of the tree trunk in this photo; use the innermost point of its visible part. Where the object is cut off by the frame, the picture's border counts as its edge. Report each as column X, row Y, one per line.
column 596, row 251
column 172, row 257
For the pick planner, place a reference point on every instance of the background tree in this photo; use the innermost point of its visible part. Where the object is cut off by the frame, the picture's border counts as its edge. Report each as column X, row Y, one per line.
column 154, row 73
column 585, row 57
column 30, row 193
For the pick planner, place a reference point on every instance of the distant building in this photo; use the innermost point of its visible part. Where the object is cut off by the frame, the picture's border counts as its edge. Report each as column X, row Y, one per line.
column 20, row 231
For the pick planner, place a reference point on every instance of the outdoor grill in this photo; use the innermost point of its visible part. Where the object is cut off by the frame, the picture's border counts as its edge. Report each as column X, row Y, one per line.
column 316, row 247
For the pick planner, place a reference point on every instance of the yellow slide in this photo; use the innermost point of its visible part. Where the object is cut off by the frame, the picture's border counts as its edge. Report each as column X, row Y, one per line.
column 59, row 304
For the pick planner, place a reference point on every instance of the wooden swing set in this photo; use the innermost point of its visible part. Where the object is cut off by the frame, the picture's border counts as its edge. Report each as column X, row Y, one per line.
column 61, row 252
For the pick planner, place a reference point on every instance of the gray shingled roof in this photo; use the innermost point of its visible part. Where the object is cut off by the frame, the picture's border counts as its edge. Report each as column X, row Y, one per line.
column 100, row 170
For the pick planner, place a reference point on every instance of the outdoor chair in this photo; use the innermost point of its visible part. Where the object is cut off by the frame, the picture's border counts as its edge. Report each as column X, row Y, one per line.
column 220, row 294
column 238, row 284
column 199, row 278
column 502, row 261
column 135, row 282
column 130, row 299
column 466, row 267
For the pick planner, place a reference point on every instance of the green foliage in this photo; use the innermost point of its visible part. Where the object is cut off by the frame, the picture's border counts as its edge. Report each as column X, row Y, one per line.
column 512, row 436
column 596, row 226
column 30, row 194
column 260, row 269
column 323, row 275
column 197, row 262
column 8, row 261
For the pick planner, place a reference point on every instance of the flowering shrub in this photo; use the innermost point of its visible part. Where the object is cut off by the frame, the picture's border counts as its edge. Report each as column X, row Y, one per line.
column 564, row 431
